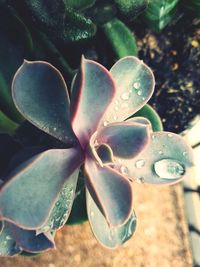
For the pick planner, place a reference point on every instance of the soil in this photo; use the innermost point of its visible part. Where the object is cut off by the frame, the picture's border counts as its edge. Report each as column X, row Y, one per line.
column 161, row 238
column 174, row 56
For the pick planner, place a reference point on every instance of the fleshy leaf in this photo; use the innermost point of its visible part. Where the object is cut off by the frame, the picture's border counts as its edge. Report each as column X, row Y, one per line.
column 92, row 93
column 134, row 84
column 126, row 139
column 8, row 246
column 131, row 8
column 58, row 20
column 78, row 213
column 160, row 13
column 111, row 191
column 107, row 236
column 148, row 112
column 63, row 205
column 105, row 153
column 166, row 159
column 121, row 38
column 29, row 241
column 40, row 94
column 32, row 190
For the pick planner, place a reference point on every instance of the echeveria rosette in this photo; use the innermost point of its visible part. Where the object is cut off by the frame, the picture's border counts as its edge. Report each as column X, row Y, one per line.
column 98, row 132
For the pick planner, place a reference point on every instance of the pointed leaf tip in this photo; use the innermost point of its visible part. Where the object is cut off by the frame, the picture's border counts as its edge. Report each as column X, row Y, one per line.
column 40, row 94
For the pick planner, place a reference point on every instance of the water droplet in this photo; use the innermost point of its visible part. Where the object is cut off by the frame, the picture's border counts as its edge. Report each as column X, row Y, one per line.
column 153, row 137
column 54, row 128
column 125, row 96
column 169, row 135
column 91, row 213
column 57, row 203
column 8, row 237
column 169, row 169
column 116, row 102
column 160, row 152
column 139, row 163
column 105, row 123
column 115, row 117
column 139, row 92
column 136, row 85
column 143, row 98
column 116, row 108
column 124, row 170
column 184, row 153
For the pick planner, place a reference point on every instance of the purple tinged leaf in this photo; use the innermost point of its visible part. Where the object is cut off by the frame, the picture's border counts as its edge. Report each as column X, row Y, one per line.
column 110, row 237
column 93, row 91
column 126, row 139
column 29, row 196
column 8, row 246
column 63, row 205
column 140, row 120
column 165, row 160
column 30, row 242
column 105, row 153
column 134, row 86
column 111, row 191
column 40, row 94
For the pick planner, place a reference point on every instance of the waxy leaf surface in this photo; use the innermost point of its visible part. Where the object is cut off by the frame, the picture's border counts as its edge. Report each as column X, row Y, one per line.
column 110, row 237
column 40, row 94
column 111, row 191
column 166, row 159
column 30, row 194
column 134, row 86
column 126, row 139
column 93, row 90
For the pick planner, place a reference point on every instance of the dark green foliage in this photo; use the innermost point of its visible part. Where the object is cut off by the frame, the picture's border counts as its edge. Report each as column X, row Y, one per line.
column 78, row 214
column 148, row 112
column 159, row 13
column 122, row 40
column 80, row 4
column 131, row 8
column 60, row 22
column 15, row 45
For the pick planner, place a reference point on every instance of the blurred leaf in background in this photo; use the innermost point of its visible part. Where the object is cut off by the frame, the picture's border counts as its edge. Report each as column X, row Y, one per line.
column 159, row 13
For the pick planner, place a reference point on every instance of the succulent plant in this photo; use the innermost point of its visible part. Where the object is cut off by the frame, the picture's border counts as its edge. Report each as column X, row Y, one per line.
column 99, row 133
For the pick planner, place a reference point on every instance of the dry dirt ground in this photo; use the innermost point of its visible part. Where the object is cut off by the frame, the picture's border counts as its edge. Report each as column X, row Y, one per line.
column 161, row 239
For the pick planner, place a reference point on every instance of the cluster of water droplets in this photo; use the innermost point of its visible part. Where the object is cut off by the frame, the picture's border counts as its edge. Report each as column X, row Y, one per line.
column 60, row 212
column 123, row 101
column 8, row 245
column 122, row 233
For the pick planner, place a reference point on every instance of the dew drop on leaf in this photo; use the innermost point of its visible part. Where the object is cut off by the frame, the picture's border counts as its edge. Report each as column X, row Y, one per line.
column 115, row 117
column 105, row 123
column 139, row 163
column 136, row 85
column 125, row 96
column 169, row 169
column 124, row 170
